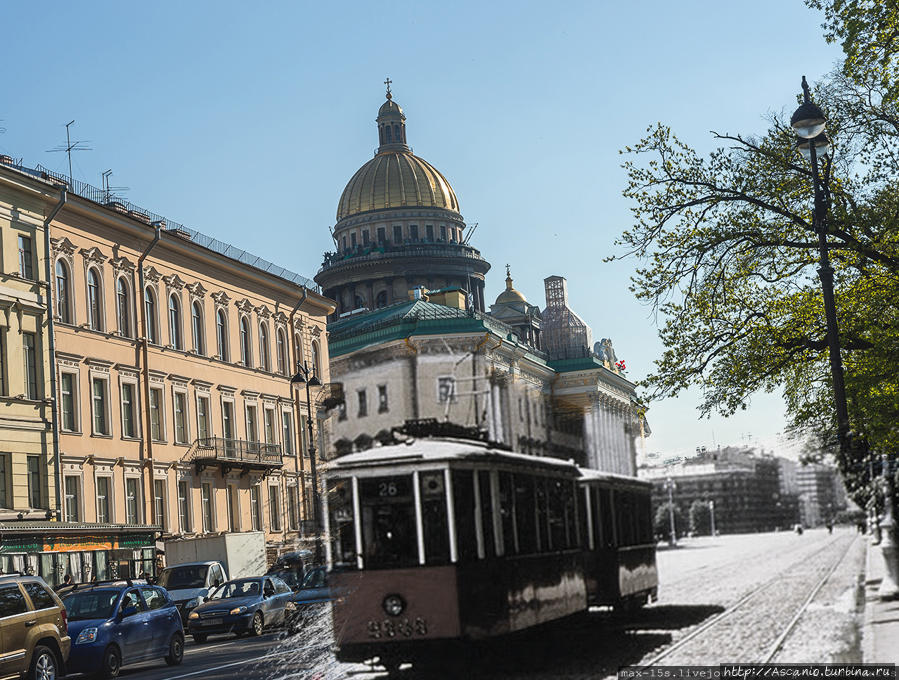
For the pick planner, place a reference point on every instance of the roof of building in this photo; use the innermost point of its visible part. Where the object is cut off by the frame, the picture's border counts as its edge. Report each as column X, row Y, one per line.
column 510, row 295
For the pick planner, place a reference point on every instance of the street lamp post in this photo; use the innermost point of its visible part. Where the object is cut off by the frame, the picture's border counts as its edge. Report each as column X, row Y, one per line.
column 306, row 376
column 672, row 535
column 712, row 512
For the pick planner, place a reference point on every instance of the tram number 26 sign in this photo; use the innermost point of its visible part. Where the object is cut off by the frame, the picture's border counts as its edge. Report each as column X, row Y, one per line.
column 397, row 628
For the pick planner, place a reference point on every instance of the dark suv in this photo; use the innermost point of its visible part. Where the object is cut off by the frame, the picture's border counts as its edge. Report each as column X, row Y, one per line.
column 34, row 637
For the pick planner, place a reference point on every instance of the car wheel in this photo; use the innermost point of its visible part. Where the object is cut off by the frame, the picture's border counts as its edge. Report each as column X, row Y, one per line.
column 199, row 638
column 112, row 663
column 43, row 664
column 176, row 650
column 258, row 624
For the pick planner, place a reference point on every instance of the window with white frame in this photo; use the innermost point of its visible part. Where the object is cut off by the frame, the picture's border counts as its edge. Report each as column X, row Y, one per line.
column 293, row 517
column 184, row 519
column 264, row 362
column 72, row 498
column 129, row 410
column 255, row 508
column 175, row 321
column 4, row 481
column 35, row 482
column 227, row 419
column 208, row 506
column 274, row 507
column 104, row 499
column 287, row 432
column 252, row 427
column 245, row 351
column 159, row 503
column 29, row 354
column 63, row 292
column 157, row 424
column 26, row 258
column 221, row 334
column 132, row 500
column 68, row 401
column 152, row 320
column 446, row 389
column 196, row 325
column 270, row 426
column 100, row 405
column 94, row 299
column 123, row 307
column 203, row 431
column 281, row 348
column 179, row 405
column 383, row 405
column 233, row 509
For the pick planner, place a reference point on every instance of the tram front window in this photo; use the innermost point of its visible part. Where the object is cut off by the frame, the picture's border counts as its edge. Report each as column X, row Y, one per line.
column 343, row 539
column 388, row 522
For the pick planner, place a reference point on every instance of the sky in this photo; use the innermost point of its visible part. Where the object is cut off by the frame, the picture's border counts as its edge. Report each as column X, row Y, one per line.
column 245, row 121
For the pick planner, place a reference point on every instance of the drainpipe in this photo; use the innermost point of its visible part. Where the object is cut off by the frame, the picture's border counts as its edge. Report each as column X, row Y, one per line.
column 51, row 332
column 139, row 300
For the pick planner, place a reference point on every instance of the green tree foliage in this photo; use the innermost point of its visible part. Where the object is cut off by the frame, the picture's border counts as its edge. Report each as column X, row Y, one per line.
column 728, row 256
column 700, row 518
column 661, row 523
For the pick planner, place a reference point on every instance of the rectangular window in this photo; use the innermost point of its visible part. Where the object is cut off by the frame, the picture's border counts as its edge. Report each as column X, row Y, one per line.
column 29, row 350
column 156, row 414
column 353, row 240
column 365, row 240
column 443, row 232
column 228, row 419
column 269, row 426
column 3, row 362
column 132, row 500
column 363, row 403
column 73, row 498
column 128, row 425
column 202, row 417
column 208, row 510
column 180, row 406
column 397, row 233
column 413, row 232
column 233, row 510
column 4, row 482
column 25, row 258
column 274, row 507
column 292, row 515
column 255, row 510
column 159, row 503
column 341, row 410
column 382, row 399
column 446, row 389
column 104, row 485
column 184, row 507
column 98, row 391
column 287, row 432
column 382, row 235
column 34, row 482
column 252, row 432
column 429, row 232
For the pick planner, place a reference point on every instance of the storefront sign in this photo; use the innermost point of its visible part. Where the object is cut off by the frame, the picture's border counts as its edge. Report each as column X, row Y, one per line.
column 17, row 544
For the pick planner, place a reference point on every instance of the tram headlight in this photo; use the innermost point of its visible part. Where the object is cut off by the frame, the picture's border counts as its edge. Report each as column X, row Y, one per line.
column 394, row 605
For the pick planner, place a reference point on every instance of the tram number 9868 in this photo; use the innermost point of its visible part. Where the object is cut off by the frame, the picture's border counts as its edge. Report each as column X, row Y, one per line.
column 388, row 628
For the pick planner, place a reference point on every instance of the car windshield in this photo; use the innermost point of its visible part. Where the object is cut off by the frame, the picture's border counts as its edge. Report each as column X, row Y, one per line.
column 315, row 578
column 179, row 578
column 92, row 604
column 289, row 577
column 242, row 588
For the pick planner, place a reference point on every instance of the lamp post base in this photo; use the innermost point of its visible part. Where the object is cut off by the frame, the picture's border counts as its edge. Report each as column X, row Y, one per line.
column 889, row 589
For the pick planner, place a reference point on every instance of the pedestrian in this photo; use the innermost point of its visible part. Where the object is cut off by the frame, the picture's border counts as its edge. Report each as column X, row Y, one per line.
column 66, row 581
column 829, row 527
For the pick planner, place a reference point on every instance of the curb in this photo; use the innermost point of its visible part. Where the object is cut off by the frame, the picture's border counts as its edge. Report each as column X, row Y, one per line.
column 867, row 631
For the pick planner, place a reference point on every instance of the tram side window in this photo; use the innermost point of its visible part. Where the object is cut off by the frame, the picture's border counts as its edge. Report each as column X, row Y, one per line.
column 625, row 517
column 463, row 506
column 605, row 518
column 486, row 513
column 542, row 515
column 525, row 517
column 557, row 514
column 645, row 510
column 584, row 536
column 433, row 515
column 507, row 512
column 571, row 537
column 388, row 522
column 343, row 536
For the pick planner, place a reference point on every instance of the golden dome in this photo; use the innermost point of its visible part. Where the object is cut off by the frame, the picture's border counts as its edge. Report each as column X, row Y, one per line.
column 510, row 295
column 395, row 177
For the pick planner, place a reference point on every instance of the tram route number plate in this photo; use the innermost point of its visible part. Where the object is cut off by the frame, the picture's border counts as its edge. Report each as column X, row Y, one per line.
column 397, row 628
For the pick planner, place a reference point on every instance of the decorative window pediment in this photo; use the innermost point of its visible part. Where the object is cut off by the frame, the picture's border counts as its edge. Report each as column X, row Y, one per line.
column 196, row 290
column 93, row 255
column 245, row 306
column 62, row 246
column 122, row 265
column 281, row 318
column 221, row 298
column 173, row 282
column 152, row 275
column 263, row 312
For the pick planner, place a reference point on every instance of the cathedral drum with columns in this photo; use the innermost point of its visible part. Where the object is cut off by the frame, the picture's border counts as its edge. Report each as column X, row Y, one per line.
column 398, row 228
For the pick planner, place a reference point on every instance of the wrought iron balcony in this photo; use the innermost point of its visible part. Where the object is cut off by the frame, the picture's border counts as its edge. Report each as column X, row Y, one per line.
column 231, row 454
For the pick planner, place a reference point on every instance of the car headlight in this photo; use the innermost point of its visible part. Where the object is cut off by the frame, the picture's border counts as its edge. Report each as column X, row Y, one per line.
column 238, row 610
column 394, row 605
column 87, row 635
column 192, row 603
column 193, row 616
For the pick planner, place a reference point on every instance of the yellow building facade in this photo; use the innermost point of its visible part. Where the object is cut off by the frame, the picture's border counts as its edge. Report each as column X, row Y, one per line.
column 173, row 360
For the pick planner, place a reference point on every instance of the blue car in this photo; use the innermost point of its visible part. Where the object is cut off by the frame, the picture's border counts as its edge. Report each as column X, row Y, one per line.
column 311, row 599
column 245, row 605
column 113, row 624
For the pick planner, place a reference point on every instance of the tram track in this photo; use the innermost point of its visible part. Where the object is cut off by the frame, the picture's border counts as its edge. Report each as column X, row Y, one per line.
column 740, row 605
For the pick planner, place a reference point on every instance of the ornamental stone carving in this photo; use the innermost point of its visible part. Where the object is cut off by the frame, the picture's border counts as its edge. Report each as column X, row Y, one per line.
column 220, row 298
column 152, row 275
column 62, row 246
column 197, row 292
column 245, row 306
column 122, row 265
column 93, row 255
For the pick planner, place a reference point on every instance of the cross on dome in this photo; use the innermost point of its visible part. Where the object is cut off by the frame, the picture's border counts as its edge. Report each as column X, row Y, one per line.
column 387, row 83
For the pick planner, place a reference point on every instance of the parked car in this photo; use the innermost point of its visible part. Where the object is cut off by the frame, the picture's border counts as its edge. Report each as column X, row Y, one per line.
column 310, row 600
column 113, row 625
column 291, row 567
column 189, row 583
column 246, row 605
column 34, row 641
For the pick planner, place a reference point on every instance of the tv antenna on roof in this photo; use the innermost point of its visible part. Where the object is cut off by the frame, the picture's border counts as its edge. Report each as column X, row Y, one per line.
column 107, row 189
column 70, row 146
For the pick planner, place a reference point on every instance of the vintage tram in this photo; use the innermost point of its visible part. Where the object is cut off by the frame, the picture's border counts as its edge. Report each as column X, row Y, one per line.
column 437, row 543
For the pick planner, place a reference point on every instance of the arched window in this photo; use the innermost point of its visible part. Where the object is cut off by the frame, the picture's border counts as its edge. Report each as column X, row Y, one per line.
column 245, row 356
column 359, row 302
column 298, row 348
column 281, row 348
column 315, row 360
column 175, row 321
column 94, row 300
column 150, row 308
column 221, row 335
column 123, row 307
column 63, row 293
column 387, row 134
column 381, row 300
column 263, row 347
column 196, row 325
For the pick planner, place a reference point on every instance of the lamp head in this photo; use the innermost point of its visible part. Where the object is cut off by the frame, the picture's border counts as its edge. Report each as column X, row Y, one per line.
column 298, row 379
column 314, row 382
column 808, row 121
column 820, row 142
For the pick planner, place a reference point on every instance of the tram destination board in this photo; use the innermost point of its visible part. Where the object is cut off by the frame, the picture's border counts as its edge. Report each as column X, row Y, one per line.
column 737, row 671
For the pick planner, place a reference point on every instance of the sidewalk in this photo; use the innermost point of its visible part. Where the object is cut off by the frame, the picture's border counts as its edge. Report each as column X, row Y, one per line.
column 880, row 631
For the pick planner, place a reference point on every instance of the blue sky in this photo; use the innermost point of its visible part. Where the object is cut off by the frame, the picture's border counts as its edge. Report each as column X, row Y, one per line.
column 245, row 121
